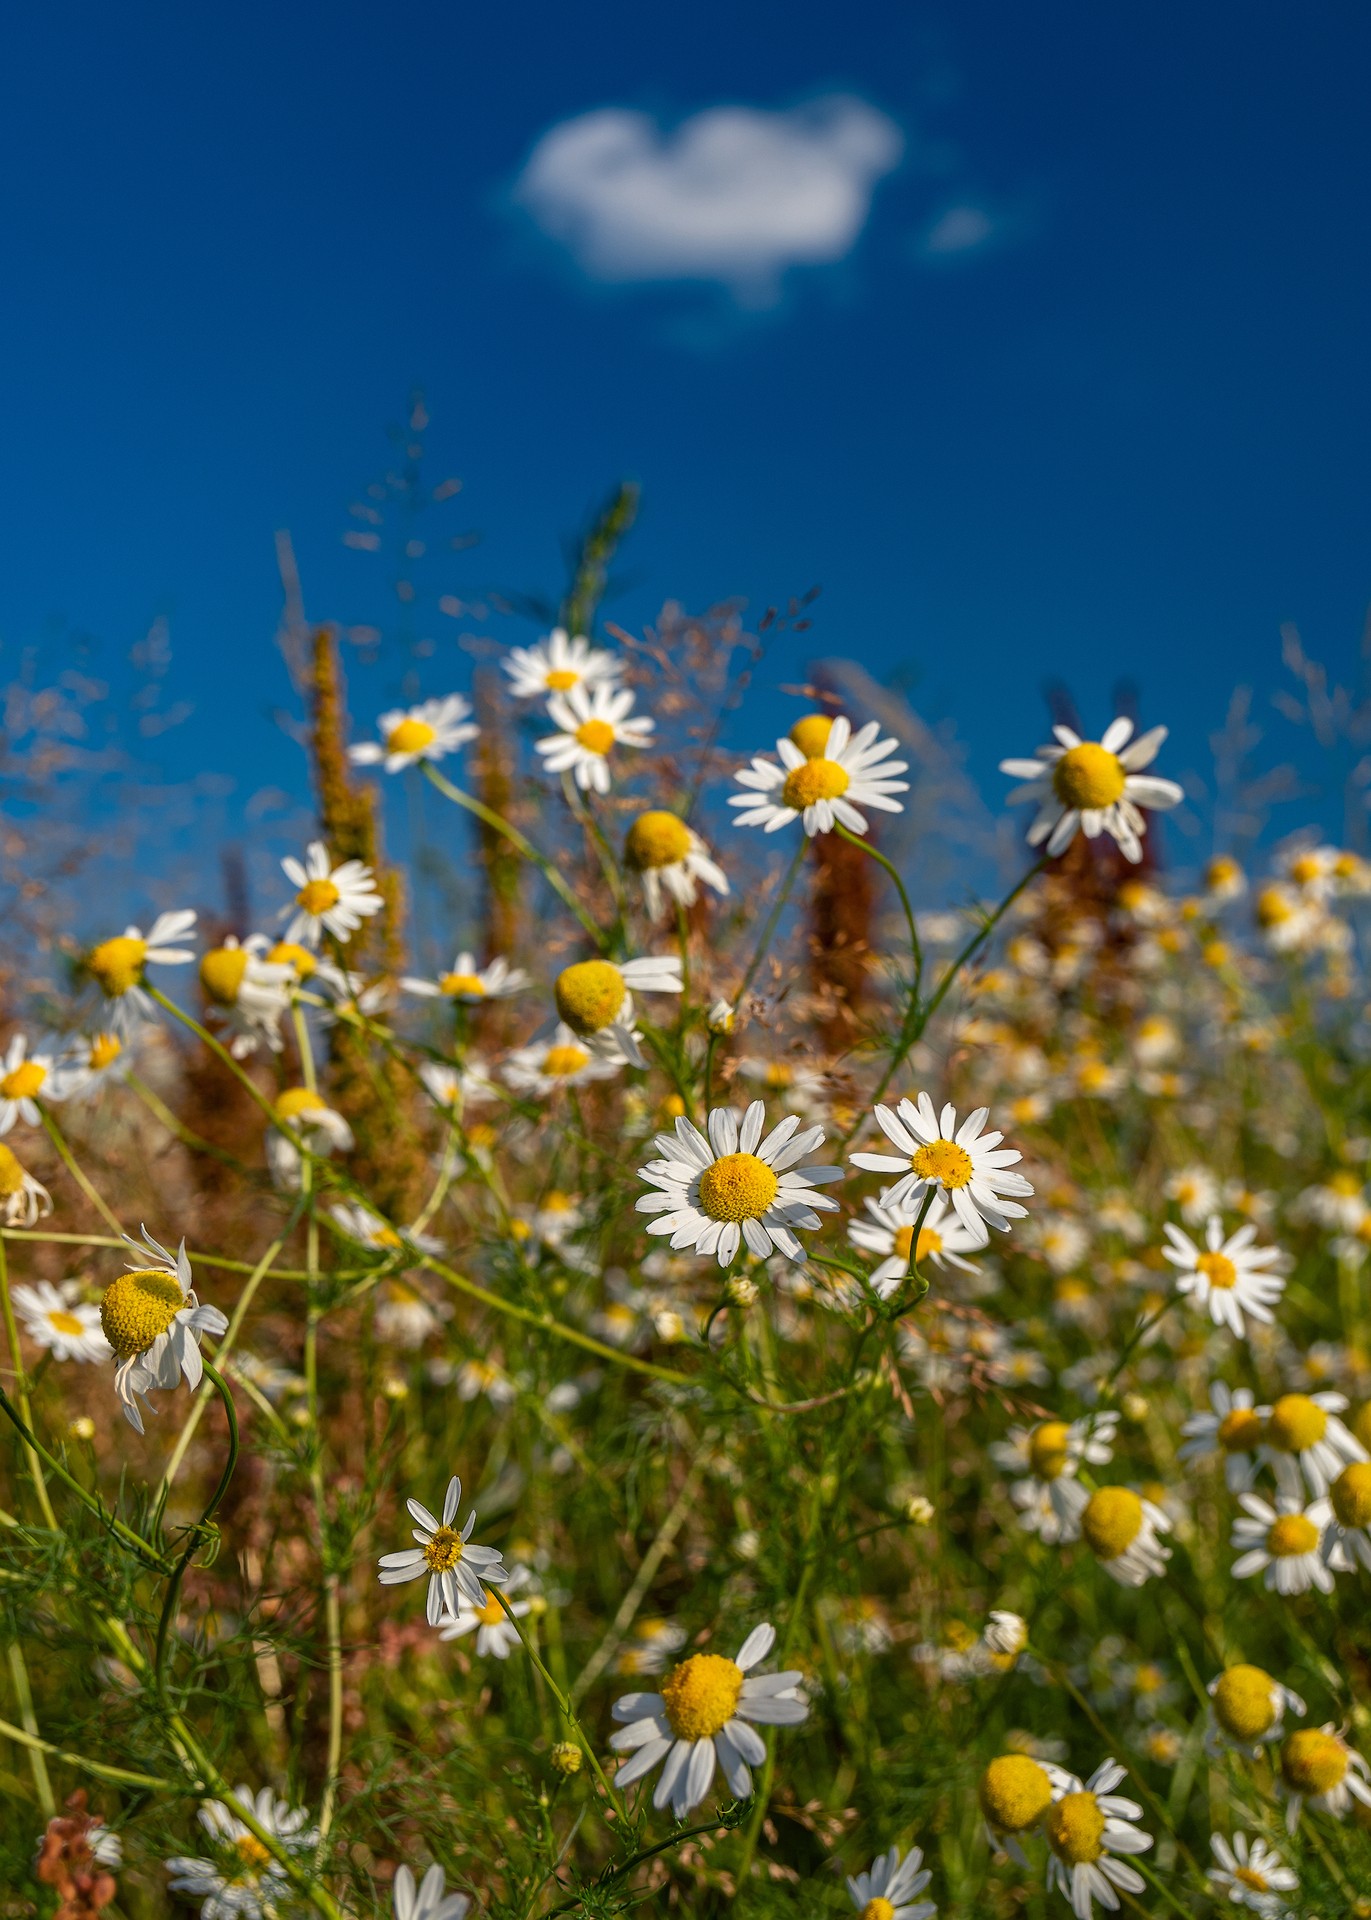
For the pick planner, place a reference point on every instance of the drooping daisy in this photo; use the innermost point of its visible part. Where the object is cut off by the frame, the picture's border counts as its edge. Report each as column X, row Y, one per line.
column 1282, row 1544
column 117, row 966
column 55, row 1318
column 1121, row 1529
column 1005, row 1633
column 969, row 1165
column 313, row 1122
column 153, row 1320
column 455, row 1565
column 563, row 1061
column 557, row 665
column 590, row 723
column 430, row 731
column 328, row 899
column 1347, row 1536
column 1088, row 1826
column 653, row 1643
column 670, row 857
column 1318, row 1768
column 1303, row 1431
column 702, row 1718
column 824, row 789
column 243, row 1881
column 1093, row 787
column 469, row 984
column 248, row 992
column 429, row 1901
column 1251, row 1874
column 496, row 1636
column 1233, row 1428
column 890, row 1232
column 1231, row 1277
column 26, row 1078
column 1015, row 1791
column 735, row 1187
column 1247, row 1709
column 594, row 999
column 23, row 1200
column 1049, row 1497
column 888, row 1890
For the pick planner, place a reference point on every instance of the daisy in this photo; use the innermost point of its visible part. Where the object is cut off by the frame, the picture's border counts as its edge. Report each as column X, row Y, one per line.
column 824, row 789
column 562, row 1061
column 735, row 1186
column 1120, row 1528
column 1282, row 1544
column 243, row 1882
column 887, row 1890
column 1347, row 1537
column 453, row 1564
column 56, row 1319
column 408, row 735
column 1087, row 1827
column 456, row 1086
column 1247, row 1708
column 594, row 1000
column 1196, row 1191
column 313, row 1122
column 1303, row 1430
column 360, row 1223
column 23, row 1200
column 117, row 966
column 1050, row 1499
column 403, row 1317
column 1318, row 1767
column 1093, row 786
column 800, row 1085
column 1233, row 1428
column 329, row 899
column 590, row 723
column 1289, row 921
column 248, row 992
column 654, row 1642
column 1251, row 1873
column 496, row 1634
column 670, row 857
column 154, row 1322
column 557, row 665
column 942, row 1239
column 469, row 984
column 969, row 1165
column 92, row 1059
column 429, row 1901
column 1230, row 1277
column 701, row 1718
column 25, row 1078
column 1005, row 1633
column 1015, row 1792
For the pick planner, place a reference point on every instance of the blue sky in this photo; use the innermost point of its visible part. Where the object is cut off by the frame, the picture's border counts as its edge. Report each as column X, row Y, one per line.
column 1076, row 386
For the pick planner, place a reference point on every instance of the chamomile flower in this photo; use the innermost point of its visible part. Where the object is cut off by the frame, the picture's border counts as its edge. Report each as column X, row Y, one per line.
column 154, row 1322
column 889, row 1888
column 736, row 1187
column 25, row 1079
column 408, row 735
column 652, row 1645
column 1122, row 1530
column 360, row 1223
column 1093, row 787
column 1319, row 1769
column 454, row 1563
column 244, row 1881
column 429, row 1900
column 590, row 723
column 1231, row 1277
column 1015, row 1791
column 890, row 1232
column 118, row 966
column 1049, row 1497
column 704, row 1717
column 1088, row 1826
column 23, row 1200
column 826, row 789
column 1251, row 1874
column 1196, row 1191
column 496, row 1635
column 670, row 858
column 93, row 1059
column 968, row 1164
column 55, row 1318
column 247, row 992
column 403, row 1317
column 557, row 665
column 313, row 1122
column 328, row 899
column 1282, row 1544
column 1347, row 1536
column 1247, row 1710
column 1005, row 1633
column 1233, row 1429
column 594, row 998
column 563, row 1061
column 470, row 985
column 1303, row 1431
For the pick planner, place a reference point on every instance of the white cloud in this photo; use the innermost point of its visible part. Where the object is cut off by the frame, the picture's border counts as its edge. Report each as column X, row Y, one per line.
column 959, row 230
column 733, row 194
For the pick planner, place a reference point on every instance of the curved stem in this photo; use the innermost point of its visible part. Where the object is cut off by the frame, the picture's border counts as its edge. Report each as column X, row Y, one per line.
column 68, row 1160
column 135, row 1542
column 21, row 1388
column 197, row 1531
column 568, row 1711
column 521, row 845
column 772, row 920
column 915, row 948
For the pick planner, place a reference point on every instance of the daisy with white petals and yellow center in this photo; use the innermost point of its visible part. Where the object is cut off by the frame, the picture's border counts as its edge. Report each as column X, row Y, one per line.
column 1049, row 1456
column 966, row 1163
column 408, row 735
column 890, row 1887
column 154, row 1322
column 375, row 1232
column 735, row 1187
column 56, row 1319
column 454, row 1563
column 1251, row 1874
column 1093, row 787
column 702, row 1718
column 1232, row 1429
column 23, row 1200
column 889, row 1235
column 1303, row 1435
column 470, row 985
column 429, row 1900
column 244, row 1881
column 1347, row 1535
column 1121, row 1529
column 306, row 1117
column 1282, row 1543
column 1231, row 1277
column 1319, row 1769
column 1015, row 1792
column 590, row 723
column 563, row 1061
column 558, row 664
column 670, row 859
column 594, row 999
column 328, row 899
column 1088, row 1826
column 1247, row 1710
column 496, row 1634
column 25, row 1079
column 247, row 992
column 824, row 789
column 118, row 966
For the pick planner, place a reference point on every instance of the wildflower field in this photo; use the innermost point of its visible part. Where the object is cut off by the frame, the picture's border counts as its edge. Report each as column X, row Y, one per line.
column 720, row 1393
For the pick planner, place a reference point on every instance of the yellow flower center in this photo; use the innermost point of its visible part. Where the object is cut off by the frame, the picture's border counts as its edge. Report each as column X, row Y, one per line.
column 1088, row 777
column 11, row 1173
column 738, row 1186
column 1111, row 1521
column 701, row 1695
column 118, row 964
column 286, row 953
column 1305, row 868
column 1273, row 908
column 105, row 1049
column 560, row 1063
column 878, row 1909
column 1351, row 1494
column 1245, row 1702
column 817, row 779
column 656, row 839
column 137, row 1307
column 63, row 1322
column 810, row 734
column 296, row 1102
column 557, row 1202
column 1075, row 1828
column 444, row 1550
column 589, row 995
column 221, row 973
column 410, row 736
column 596, row 736
column 491, row 1614
column 1047, row 1449
column 462, row 983
column 317, row 896
column 1240, row 1430
column 1245, row 1877
column 559, row 679
column 1014, row 1793
column 250, row 1851
column 386, row 1237
column 25, row 1081
column 943, row 1161
column 930, row 1241
column 1313, row 1762
column 1218, row 1270
column 1295, row 1423
column 1290, row 1536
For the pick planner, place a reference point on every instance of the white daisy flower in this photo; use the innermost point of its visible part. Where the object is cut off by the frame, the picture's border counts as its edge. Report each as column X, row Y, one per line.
column 459, row 1086
column 968, row 1164
column 478, row 1377
column 826, row 789
column 26, row 1078
column 1093, row 787
column 733, row 1187
column 455, row 1565
column 590, row 723
column 654, row 1642
column 314, row 1123
column 1247, row 1710
column 248, row 992
column 1014, row 1793
column 1251, row 1874
column 1005, row 1633
column 56, row 1319
column 1196, row 1191
column 1319, row 1769
column 1230, row 1277
column 594, row 1000
column 1282, row 1544
column 799, row 1085
column 557, row 665
column 496, row 1637
column 890, row 1231
column 1233, row 1429
column 1289, row 921
column 702, row 1718
column 430, row 731
column 1121, row 1529
column 466, row 982
column 94, row 1058
column 429, row 1901
column 1050, row 1498
column 670, row 858
column 1303, row 1431
column 563, row 1061
column 244, row 1881
column 1347, row 1537
column 888, row 1890
column 360, row 1223
column 153, row 1321
column 329, row 899
column 402, row 1316
column 23, row 1200
column 117, row 966
column 1088, row 1826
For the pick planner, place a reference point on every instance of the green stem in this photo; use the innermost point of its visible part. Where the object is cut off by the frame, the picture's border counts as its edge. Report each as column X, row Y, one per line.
column 772, row 920
column 54, row 1134
column 83, row 1763
column 516, row 839
column 915, row 947
column 568, row 1711
column 196, row 1532
column 21, row 1388
column 135, row 1542
column 38, row 1765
